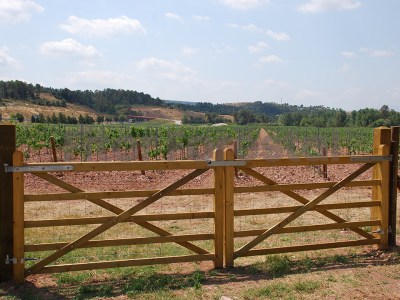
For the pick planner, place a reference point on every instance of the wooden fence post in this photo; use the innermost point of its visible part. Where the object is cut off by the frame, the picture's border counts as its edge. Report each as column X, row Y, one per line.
column 7, row 148
column 53, row 148
column 139, row 152
column 18, row 216
column 394, row 169
column 229, row 210
column 219, row 185
column 381, row 171
column 235, row 155
column 325, row 166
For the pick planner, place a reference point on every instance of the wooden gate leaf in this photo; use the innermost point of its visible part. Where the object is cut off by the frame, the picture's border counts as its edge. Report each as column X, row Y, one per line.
column 106, row 205
column 114, row 221
column 310, row 205
column 303, row 200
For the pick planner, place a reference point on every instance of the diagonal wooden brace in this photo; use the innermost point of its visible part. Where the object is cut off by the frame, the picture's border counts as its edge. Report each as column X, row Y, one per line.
column 114, row 221
column 307, row 207
column 303, row 200
column 117, row 210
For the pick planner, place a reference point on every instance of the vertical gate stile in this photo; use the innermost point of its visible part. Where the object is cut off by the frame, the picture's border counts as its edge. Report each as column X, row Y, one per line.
column 394, row 169
column 18, row 220
column 229, row 210
column 381, row 146
column 383, row 196
column 218, row 155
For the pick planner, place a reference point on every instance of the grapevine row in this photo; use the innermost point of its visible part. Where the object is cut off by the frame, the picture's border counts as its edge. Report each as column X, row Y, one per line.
column 119, row 142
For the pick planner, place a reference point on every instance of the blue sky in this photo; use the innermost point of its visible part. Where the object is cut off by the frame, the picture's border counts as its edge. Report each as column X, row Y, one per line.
column 336, row 53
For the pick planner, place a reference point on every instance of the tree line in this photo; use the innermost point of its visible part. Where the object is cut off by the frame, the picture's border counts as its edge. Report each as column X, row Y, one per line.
column 108, row 101
column 366, row 117
column 118, row 103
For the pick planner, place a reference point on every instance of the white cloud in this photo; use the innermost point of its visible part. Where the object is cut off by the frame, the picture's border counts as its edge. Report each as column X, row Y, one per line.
column 306, row 94
column 278, row 36
column 379, row 53
column 103, row 27
column 7, row 61
column 173, row 16
column 315, row 6
column 376, row 53
column 270, row 59
column 201, row 18
column 171, row 70
column 221, row 49
column 15, row 11
column 69, row 48
column 248, row 27
column 244, row 4
column 345, row 68
column 258, row 47
column 190, row 51
column 348, row 54
column 276, row 83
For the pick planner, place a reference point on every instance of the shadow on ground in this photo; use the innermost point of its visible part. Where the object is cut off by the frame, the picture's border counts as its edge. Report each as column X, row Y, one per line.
column 152, row 282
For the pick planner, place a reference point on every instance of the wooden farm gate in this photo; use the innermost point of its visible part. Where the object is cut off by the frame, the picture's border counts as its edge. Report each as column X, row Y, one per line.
column 373, row 231
column 223, row 213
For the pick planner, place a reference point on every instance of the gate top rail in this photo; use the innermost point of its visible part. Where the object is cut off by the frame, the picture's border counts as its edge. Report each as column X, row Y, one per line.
column 121, row 166
column 109, row 166
column 191, row 164
column 309, row 161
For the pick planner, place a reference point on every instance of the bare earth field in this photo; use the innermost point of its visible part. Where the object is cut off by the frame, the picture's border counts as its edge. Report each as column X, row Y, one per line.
column 349, row 273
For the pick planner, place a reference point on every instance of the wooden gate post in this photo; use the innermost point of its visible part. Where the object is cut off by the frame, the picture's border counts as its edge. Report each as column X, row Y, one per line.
column 394, row 169
column 229, row 210
column 219, row 186
column 18, row 224
column 7, row 148
column 381, row 171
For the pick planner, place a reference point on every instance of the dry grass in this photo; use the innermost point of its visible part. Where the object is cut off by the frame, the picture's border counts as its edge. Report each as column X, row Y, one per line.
column 28, row 109
column 165, row 113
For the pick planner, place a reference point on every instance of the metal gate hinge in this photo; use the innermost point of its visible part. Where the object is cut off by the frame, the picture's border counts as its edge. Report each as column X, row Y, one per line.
column 31, row 169
column 380, row 231
column 15, row 260
column 28, row 259
column 10, row 260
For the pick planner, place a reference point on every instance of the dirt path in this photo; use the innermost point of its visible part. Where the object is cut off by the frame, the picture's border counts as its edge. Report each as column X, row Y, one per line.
column 265, row 147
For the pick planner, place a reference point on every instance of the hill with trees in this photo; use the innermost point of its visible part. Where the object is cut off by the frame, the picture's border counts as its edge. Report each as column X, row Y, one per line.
column 119, row 103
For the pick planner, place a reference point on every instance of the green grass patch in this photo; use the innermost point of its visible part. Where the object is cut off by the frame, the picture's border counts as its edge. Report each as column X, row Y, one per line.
column 279, row 265
column 91, row 291
column 272, row 291
column 73, row 278
column 306, row 286
column 283, row 290
column 163, row 282
column 274, row 266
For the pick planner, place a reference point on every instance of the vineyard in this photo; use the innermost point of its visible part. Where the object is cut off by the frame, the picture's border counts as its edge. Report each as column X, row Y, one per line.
column 121, row 141
column 62, row 207
column 310, row 141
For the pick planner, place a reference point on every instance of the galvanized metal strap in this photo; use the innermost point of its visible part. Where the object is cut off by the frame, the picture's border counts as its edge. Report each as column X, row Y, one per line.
column 228, row 163
column 32, row 169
